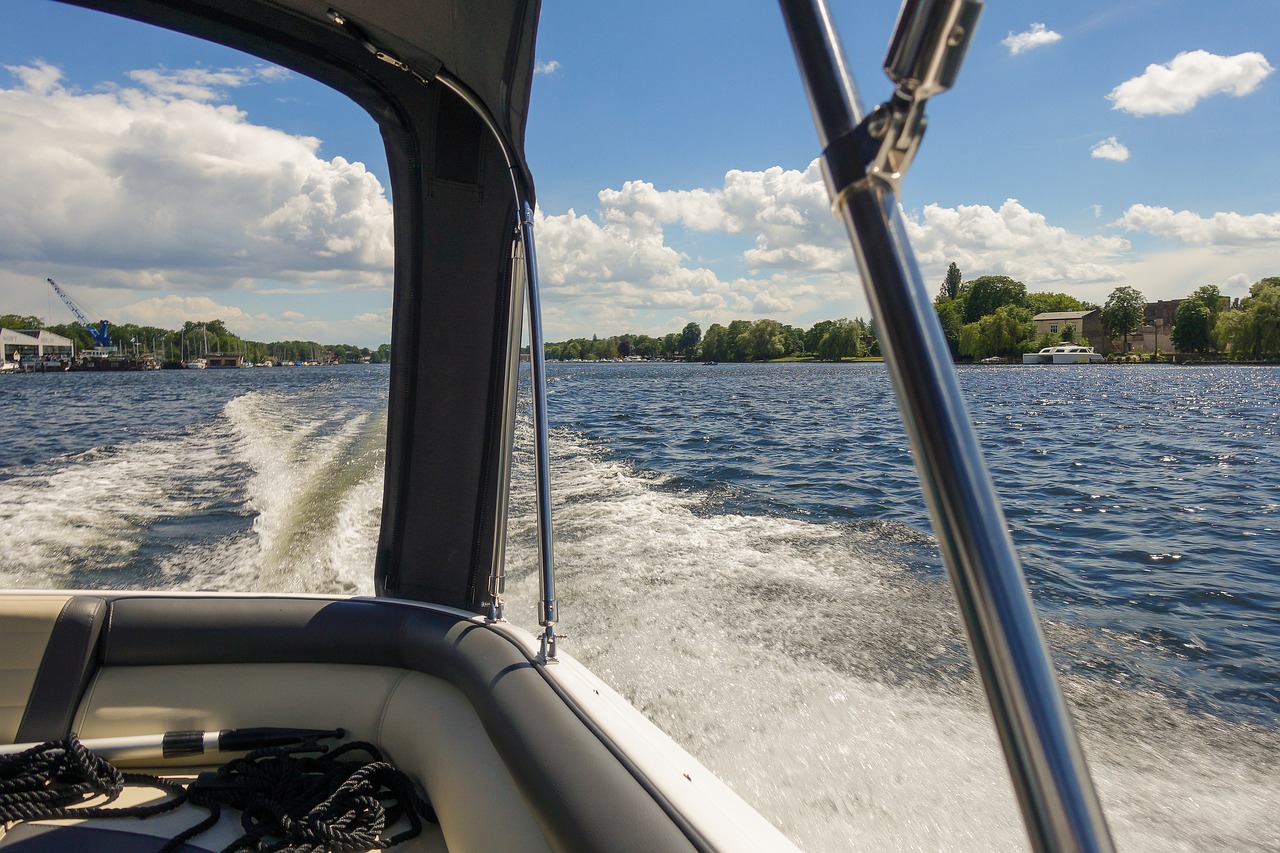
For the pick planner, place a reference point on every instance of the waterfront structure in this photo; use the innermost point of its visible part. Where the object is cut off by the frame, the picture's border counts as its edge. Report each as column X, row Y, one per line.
column 32, row 344
column 1088, row 325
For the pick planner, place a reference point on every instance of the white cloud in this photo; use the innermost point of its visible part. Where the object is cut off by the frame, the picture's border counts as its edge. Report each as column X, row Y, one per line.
column 1110, row 149
column 1012, row 241
column 171, row 312
column 1038, row 36
column 551, row 66
column 167, row 192
column 620, row 269
column 609, row 273
column 1189, row 78
column 1221, row 229
column 202, row 84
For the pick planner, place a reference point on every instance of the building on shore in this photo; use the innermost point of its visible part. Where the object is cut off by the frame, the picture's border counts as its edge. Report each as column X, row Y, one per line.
column 224, row 359
column 34, row 345
column 1154, row 335
column 1088, row 325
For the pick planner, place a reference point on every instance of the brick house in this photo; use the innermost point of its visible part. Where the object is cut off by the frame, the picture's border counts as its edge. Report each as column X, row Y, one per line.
column 1088, row 325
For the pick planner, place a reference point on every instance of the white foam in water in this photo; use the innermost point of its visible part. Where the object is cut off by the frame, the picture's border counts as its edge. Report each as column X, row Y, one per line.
column 298, row 495
column 799, row 661
column 87, row 510
column 740, row 637
column 314, row 486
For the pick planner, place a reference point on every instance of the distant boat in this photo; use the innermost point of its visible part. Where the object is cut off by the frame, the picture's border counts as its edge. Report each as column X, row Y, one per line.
column 196, row 364
column 1063, row 354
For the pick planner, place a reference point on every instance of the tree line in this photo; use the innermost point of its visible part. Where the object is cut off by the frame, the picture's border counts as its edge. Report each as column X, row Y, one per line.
column 739, row 341
column 992, row 316
column 198, row 338
column 1206, row 323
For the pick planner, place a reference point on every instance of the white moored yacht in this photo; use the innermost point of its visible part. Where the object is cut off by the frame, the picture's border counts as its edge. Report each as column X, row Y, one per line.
column 1063, row 354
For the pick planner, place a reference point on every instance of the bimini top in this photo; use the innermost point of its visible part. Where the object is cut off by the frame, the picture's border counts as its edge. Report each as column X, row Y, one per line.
column 448, row 84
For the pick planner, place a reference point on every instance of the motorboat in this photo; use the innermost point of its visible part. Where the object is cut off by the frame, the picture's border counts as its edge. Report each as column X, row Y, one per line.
column 195, row 364
column 1063, row 354
column 515, row 744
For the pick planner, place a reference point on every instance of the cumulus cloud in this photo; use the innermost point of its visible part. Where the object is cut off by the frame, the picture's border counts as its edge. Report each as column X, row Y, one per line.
column 551, row 66
column 1012, row 241
column 620, row 266
column 203, row 84
column 1110, row 149
column 1038, row 36
column 1221, row 229
column 793, row 257
column 156, row 186
column 171, row 312
column 1177, row 86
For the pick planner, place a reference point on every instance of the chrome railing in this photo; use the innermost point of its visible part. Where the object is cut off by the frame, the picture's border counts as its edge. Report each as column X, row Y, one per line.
column 864, row 157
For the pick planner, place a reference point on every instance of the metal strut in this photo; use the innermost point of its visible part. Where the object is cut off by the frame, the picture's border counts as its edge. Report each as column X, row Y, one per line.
column 548, row 613
column 521, row 184
column 863, row 160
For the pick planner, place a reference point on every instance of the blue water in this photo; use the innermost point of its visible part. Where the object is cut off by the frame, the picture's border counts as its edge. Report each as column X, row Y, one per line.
column 743, row 552
column 1144, row 500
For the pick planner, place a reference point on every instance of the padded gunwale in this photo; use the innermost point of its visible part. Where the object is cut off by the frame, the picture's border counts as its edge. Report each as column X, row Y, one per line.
column 581, row 796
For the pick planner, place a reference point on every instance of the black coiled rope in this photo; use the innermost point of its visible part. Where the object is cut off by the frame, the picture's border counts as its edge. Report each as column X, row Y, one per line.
column 300, row 799
column 44, row 782
column 297, row 803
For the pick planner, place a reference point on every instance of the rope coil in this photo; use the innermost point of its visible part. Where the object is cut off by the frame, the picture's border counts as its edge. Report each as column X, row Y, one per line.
column 44, row 782
column 297, row 799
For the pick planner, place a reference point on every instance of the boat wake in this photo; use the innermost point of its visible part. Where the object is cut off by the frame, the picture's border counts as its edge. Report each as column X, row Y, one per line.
column 268, row 496
column 811, row 665
column 812, row 669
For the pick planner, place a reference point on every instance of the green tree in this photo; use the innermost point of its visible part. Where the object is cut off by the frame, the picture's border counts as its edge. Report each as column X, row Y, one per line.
column 984, row 295
column 814, row 336
column 1254, row 330
column 738, row 345
column 715, row 344
column 951, row 284
column 690, row 336
column 793, row 340
column 20, row 323
column 1005, row 331
column 1123, row 313
column 951, row 318
column 762, row 340
column 1043, row 303
column 842, row 340
column 1193, row 325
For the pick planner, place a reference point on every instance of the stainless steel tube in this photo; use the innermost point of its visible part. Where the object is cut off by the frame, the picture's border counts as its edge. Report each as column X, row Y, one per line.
column 548, row 612
column 1050, row 777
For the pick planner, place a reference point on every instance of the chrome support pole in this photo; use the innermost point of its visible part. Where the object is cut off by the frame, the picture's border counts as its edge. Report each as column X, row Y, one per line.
column 522, row 186
column 515, row 327
column 548, row 613
column 1051, row 780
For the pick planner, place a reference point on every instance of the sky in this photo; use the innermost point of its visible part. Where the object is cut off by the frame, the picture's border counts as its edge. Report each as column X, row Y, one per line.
column 1085, row 146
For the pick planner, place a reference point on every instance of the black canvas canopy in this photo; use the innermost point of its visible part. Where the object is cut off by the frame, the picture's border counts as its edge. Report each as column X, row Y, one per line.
column 448, row 83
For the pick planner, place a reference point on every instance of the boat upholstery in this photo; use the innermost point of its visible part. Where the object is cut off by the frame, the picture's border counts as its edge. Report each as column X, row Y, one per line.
column 26, row 623
column 502, row 755
column 65, row 669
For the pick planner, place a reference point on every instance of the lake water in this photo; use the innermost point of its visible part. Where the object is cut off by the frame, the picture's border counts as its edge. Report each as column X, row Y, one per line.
column 743, row 551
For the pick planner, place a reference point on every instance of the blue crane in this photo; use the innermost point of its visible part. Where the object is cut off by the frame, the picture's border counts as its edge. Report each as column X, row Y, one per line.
column 99, row 332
